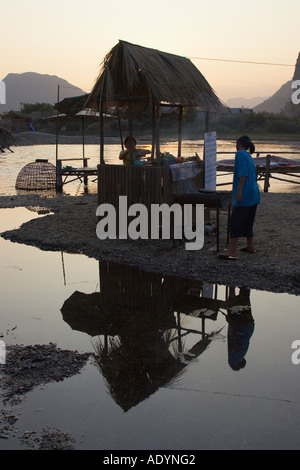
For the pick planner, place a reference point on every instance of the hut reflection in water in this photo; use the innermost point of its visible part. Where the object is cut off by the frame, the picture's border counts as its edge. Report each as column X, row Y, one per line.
column 139, row 338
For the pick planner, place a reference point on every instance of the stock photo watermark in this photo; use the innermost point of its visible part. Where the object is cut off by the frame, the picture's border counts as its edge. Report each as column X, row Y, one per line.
column 161, row 222
column 296, row 354
column 2, row 92
column 296, row 94
column 2, row 352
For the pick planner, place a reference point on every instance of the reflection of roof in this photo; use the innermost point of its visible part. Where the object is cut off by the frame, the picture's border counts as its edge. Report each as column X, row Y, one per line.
column 142, row 348
column 143, row 75
column 135, row 370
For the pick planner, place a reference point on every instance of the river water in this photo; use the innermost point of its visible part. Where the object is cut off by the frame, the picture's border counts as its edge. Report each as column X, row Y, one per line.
column 12, row 163
column 168, row 378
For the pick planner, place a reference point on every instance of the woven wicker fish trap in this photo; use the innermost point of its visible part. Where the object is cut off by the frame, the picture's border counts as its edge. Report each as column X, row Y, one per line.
column 37, row 175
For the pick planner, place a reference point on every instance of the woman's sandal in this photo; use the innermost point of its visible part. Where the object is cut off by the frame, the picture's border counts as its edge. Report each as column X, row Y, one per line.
column 245, row 250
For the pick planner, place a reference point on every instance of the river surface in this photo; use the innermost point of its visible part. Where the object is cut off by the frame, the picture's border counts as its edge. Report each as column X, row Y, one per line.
column 185, row 365
column 12, row 163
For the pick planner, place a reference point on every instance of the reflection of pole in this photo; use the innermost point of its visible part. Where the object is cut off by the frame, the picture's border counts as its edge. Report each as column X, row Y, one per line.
column 216, row 291
column 203, row 327
column 179, row 332
column 63, row 266
column 105, row 343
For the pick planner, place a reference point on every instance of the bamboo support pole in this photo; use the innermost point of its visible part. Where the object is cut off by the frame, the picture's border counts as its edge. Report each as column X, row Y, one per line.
column 267, row 173
column 101, row 123
column 130, row 132
column 180, row 131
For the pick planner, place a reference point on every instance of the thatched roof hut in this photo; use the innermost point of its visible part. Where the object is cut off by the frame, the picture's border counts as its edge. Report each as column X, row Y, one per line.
column 6, row 139
column 133, row 77
column 146, row 76
column 16, row 115
column 72, row 105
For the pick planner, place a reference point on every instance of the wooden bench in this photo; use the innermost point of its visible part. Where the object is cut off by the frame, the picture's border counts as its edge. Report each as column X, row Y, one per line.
column 80, row 173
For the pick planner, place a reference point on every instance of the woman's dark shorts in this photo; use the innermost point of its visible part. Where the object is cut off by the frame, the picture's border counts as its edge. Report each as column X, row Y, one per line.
column 241, row 221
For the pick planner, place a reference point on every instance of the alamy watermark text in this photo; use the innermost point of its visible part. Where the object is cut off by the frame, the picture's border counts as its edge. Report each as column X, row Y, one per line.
column 2, row 92
column 160, row 222
column 296, row 93
column 2, row 353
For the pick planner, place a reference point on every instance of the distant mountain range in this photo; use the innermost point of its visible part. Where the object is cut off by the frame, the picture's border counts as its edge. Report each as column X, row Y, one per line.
column 241, row 102
column 277, row 102
column 272, row 104
column 31, row 87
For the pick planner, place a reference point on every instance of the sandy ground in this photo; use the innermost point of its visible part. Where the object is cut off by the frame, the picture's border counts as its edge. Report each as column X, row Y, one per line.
column 71, row 227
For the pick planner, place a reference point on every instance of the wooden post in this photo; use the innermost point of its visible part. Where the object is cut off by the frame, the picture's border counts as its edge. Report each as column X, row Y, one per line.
column 130, row 132
column 180, row 131
column 267, row 173
column 58, row 176
column 157, row 144
column 58, row 187
column 85, row 178
column 207, row 121
column 82, row 130
column 153, row 132
column 101, row 122
column 120, row 130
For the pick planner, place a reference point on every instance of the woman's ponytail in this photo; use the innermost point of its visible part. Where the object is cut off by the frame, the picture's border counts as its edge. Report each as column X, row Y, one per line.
column 246, row 142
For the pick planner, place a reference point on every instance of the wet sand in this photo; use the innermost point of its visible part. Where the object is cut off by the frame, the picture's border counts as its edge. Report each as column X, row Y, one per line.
column 71, row 227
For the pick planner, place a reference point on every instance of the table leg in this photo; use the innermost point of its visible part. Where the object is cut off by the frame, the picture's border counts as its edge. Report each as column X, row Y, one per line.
column 218, row 229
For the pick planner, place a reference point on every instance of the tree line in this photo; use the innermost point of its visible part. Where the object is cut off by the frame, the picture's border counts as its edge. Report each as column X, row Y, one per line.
column 287, row 122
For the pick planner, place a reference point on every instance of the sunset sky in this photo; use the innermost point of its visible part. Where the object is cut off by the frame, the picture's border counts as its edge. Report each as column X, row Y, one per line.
column 69, row 38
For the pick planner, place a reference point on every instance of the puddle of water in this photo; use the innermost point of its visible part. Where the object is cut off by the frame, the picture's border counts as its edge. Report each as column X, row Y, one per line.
column 167, row 374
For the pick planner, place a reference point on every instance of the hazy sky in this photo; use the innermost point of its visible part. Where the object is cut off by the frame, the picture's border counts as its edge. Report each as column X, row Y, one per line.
column 69, row 38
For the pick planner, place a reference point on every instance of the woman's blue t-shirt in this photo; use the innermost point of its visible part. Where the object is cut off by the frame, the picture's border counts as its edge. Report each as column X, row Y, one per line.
column 244, row 166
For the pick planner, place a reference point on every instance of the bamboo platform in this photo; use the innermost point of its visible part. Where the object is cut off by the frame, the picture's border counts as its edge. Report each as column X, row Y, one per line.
column 266, row 172
column 69, row 174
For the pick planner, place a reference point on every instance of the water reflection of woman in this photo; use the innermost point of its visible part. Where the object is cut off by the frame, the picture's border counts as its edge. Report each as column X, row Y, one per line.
column 240, row 327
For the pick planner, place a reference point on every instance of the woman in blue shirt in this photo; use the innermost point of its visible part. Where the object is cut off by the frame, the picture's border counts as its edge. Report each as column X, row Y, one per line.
column 245, row 197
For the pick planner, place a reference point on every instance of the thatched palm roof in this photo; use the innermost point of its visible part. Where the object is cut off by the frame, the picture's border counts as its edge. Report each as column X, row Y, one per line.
column 16, row 115
column 6, row 139
column 72, row 105
column 131, row 72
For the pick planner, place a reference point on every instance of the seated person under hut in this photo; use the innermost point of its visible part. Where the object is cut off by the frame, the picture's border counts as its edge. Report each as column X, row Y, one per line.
column 136, row 152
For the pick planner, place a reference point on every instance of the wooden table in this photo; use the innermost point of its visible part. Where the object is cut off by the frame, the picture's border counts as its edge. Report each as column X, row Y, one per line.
column 212, row 199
